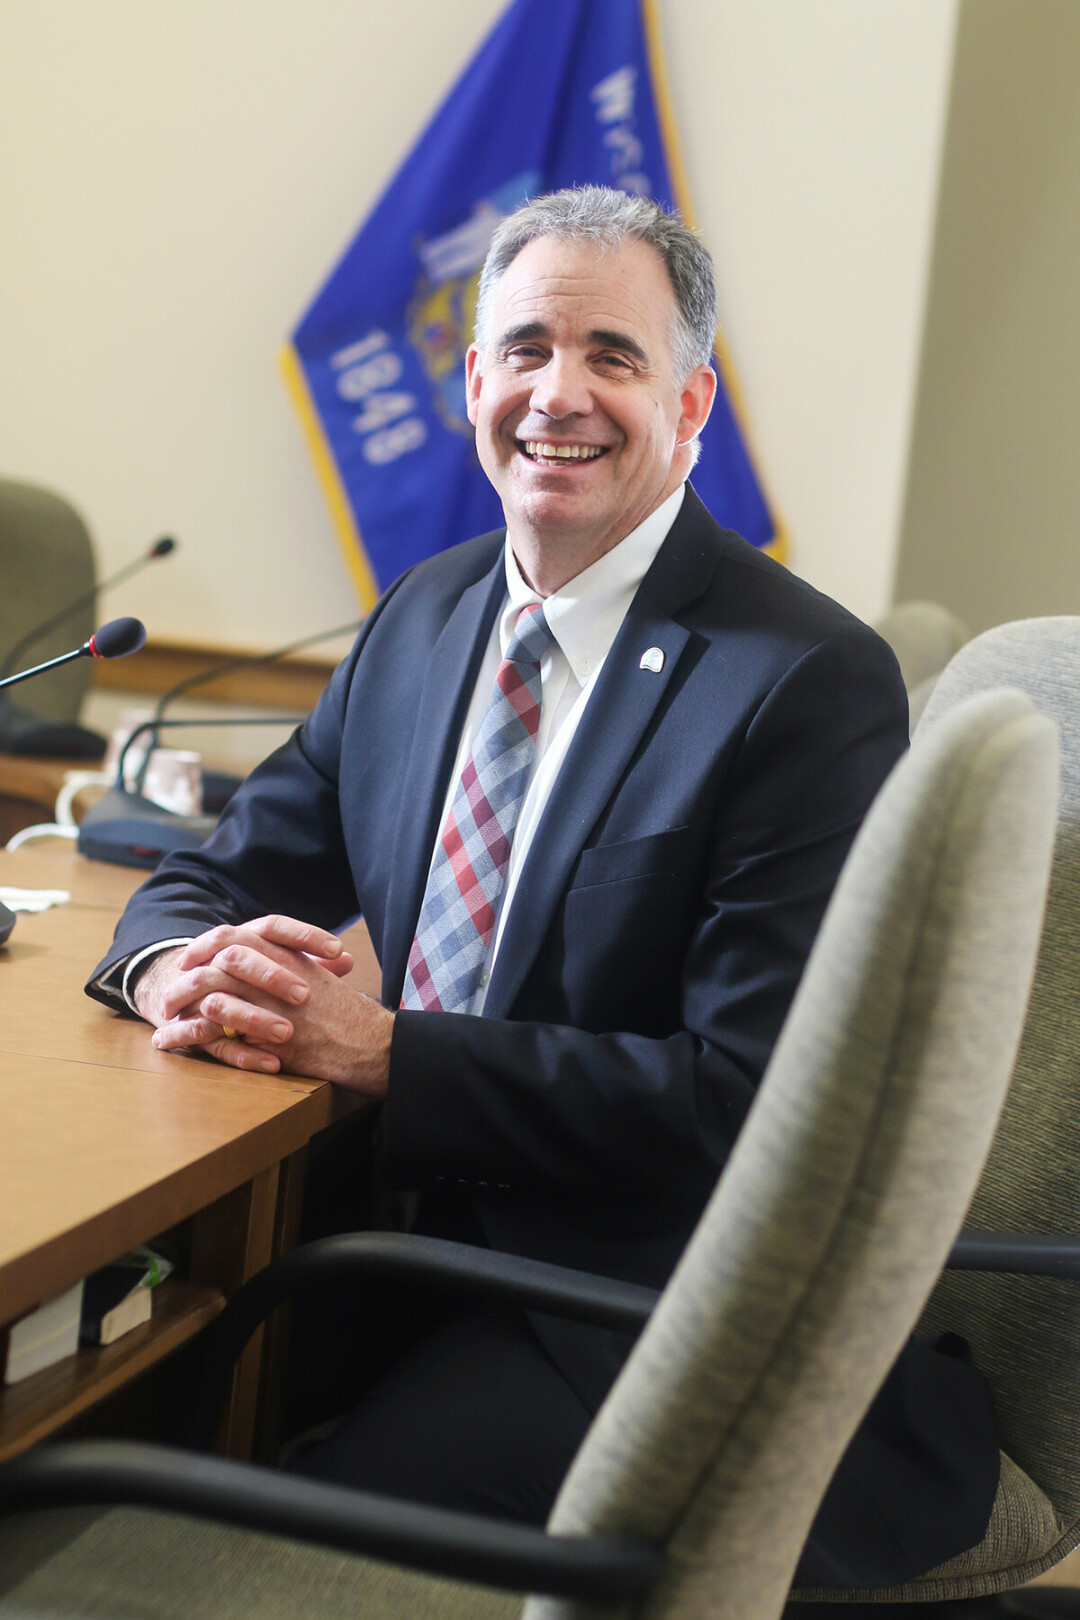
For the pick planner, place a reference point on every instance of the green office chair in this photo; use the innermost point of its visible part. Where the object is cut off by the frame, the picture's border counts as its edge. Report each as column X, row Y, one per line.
column 46, row 561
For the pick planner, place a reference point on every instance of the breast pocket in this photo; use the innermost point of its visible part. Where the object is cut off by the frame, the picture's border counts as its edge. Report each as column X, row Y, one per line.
column 660, row 854
column 626, row 926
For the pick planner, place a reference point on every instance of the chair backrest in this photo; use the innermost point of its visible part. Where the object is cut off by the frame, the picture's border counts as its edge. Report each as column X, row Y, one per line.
column 46, row 560
column 924, row 636
column 847, row 1184
column 1026, row 1331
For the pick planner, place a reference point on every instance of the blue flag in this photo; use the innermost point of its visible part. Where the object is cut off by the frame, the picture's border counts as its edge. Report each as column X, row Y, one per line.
column 559, row 95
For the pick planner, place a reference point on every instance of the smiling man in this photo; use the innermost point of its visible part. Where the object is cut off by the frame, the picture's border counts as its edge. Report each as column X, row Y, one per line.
column 590, row 781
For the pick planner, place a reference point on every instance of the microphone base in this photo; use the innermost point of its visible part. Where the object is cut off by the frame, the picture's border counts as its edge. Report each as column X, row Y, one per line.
column 23, row 732
column 125, row 829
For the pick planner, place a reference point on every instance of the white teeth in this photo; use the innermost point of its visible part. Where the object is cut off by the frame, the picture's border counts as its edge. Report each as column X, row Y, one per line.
column 564, row 452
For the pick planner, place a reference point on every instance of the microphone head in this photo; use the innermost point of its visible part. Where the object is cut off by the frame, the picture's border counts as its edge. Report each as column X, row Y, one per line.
column 162, row 547
column 118, row 638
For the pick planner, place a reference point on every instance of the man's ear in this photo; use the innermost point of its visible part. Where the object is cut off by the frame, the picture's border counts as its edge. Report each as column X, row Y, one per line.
column 472, row 381
column 696, row 398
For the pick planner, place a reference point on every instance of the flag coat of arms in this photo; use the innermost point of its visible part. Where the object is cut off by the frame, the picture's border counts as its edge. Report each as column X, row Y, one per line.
column 560, row 95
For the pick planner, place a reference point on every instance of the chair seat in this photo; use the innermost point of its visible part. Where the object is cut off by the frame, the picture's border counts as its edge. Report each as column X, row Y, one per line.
column 1024, row 1538
column 96, row 1564
column 93, row 1564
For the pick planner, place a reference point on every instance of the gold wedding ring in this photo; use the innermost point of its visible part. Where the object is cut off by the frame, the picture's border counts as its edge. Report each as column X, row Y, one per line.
column 231, row 1033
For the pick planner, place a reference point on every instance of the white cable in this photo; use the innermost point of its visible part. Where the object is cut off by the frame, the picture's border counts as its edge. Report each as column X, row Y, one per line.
column 41, row 829
column 74, row 782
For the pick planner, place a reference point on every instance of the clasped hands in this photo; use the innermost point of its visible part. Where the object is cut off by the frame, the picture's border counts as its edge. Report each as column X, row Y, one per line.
column 277, row 986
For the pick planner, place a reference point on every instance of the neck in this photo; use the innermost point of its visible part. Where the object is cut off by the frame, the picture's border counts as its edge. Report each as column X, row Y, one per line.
column 546, row 565
column 549, row 558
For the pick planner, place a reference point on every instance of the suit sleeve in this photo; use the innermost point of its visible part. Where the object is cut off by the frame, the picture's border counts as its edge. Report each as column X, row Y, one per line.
column 531, row 1105
column 277, row 848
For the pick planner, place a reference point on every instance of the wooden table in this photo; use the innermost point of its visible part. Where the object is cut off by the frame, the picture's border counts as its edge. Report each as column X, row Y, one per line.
column 105, row 1143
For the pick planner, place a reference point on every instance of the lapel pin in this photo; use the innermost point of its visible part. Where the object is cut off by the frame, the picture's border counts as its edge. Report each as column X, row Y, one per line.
column 652, row 659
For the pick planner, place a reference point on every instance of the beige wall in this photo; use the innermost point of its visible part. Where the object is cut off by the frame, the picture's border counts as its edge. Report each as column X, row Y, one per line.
column 991, row 521
column 813, row 136
column 177, row 178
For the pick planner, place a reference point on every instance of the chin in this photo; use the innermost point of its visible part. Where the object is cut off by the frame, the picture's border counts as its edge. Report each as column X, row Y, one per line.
column 554, row 512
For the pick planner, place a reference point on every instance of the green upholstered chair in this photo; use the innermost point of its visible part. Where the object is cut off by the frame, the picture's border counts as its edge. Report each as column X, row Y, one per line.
column 694, row 1489
column 46, row 561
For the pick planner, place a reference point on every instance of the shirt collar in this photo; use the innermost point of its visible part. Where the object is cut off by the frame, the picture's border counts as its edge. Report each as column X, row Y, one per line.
column 585, row 614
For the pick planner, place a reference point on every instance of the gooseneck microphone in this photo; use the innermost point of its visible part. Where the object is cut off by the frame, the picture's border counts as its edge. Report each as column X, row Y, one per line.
column 117, row 639
column 160, row 548
column 26, row 733
column 203, row 677
column 127, row 829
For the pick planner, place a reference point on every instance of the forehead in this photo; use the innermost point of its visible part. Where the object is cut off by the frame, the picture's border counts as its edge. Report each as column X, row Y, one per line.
column 577, row 287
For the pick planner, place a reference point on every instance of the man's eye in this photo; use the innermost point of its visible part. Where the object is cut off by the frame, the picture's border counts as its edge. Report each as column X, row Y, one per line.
column 615, row 362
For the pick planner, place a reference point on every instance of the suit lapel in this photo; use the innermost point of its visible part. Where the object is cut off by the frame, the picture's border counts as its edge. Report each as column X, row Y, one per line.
column 444, row 701
column 615, row 719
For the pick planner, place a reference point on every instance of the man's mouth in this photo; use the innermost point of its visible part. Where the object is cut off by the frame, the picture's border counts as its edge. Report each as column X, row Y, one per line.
column 543, row 451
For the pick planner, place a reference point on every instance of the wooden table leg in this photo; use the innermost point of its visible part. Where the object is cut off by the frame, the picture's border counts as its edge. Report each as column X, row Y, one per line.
column 232, row 1239
column 276, row 1339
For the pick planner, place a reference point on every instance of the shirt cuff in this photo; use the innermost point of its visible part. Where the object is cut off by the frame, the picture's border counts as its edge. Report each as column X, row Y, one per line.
column 119, row 982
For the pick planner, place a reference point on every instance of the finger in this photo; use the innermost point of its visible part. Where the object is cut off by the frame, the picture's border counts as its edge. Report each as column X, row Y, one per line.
column 181, row 994
column 193, row 1031
column 184, row 1033
column 190, row 988
column 237, row 1016
column 238, row 1055
column 299, row 936
column 277, row 930
column 264, row 970
column 234, row 968
column 206, row 947
column 339, row 966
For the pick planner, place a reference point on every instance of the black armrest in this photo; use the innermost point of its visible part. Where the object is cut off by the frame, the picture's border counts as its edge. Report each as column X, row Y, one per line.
column 1024, row 1253
column 480, row 1273
column 460, row 1545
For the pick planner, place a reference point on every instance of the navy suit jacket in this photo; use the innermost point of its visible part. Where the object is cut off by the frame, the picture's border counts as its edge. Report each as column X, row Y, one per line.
column 663, row 915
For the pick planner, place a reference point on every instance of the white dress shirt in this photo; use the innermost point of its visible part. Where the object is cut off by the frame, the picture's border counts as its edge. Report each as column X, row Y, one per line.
column 584, row 616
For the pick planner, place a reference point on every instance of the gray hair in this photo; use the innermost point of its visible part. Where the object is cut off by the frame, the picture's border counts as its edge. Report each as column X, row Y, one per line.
column 608, row 218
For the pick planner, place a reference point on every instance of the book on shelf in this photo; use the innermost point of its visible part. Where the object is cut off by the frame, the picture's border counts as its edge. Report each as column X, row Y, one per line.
column 97, row 1311
column 114, row 1302
column 119, row 1296
column 42, row 1337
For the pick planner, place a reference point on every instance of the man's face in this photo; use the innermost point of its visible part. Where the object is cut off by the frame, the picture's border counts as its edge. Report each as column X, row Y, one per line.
column 577, row 408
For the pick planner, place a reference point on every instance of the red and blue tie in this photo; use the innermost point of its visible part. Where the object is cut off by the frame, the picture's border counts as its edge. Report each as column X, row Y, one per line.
column 461, row 901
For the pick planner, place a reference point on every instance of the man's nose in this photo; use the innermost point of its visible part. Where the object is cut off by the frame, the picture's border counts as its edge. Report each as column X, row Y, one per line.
column 561, row 388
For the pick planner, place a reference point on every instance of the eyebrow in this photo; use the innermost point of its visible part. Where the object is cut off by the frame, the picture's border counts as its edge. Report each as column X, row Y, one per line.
column 523, row 333
column 529, row 330
column 621, row 341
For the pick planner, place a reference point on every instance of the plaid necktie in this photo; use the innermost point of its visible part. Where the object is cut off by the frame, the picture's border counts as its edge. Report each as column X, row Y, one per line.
column 466, row 878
